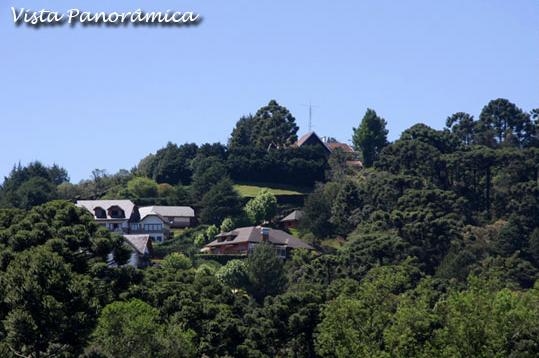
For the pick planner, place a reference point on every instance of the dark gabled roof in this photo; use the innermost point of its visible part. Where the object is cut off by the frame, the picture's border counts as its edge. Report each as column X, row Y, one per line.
column 295, row 215
column 312, row 136
column 253, row 234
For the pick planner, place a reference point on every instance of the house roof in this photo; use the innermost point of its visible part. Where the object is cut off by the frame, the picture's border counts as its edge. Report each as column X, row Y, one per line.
column 139, row 242
column 253, row 234
column 126, row 205
column 345, row 147
column 311, row 136
column 176, row 211
column 293, row 216
column 145, row 212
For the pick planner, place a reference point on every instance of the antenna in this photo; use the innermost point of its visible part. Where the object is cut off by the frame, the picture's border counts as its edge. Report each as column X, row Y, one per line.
column 310, row 114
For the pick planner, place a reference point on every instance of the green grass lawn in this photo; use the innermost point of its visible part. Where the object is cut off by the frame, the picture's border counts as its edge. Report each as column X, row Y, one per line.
column 250, row 190
column 332, row 243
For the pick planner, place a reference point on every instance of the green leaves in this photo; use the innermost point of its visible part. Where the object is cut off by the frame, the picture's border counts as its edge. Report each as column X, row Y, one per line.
column 234, row 274
column 266, row 272
column 46, row 305
column 271, row 126
column 132, row 329
column 370, row 137
column 262, row 207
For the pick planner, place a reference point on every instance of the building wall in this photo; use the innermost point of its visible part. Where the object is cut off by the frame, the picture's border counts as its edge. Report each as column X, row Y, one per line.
column 152, row 225
column 179, row 221
column 231, row 249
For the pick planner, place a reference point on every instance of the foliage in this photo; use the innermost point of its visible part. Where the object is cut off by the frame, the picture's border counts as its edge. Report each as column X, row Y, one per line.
column 143, row 188
column 32, row 185
column 234, row 274
column 262, row 207
column 132, row 329
column 227, row 225
column 502, row 122
column 370, row 137
column 434, row 250
column 176, row 261
column 266, row 272
column 171, row 164
column 220, row 202
column 271, row 126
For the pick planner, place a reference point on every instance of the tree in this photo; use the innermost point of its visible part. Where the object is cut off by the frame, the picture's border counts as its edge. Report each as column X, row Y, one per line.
column 441, row 140
column 262, row 207
column 35, row 191
column 207, row 172
column 506, row 123
column 234, row 274
column 317, row 211
column 429, row 220
column 462, row 125
column 32, row 185
column 242, row 133
column 177, row 261
column 370, row 137
column 266, row 272
column 171, row 164
column 227, row 225
column 143, row 188
column 413, row 158
column 48, row 309
column 128, row 329
column 482, row 321
column 346, row 206
column 353, row 324
column 221, row 201
column 274, row 126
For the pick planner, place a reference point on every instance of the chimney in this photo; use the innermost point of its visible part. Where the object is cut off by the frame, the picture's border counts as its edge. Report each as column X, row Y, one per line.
column 265, row 234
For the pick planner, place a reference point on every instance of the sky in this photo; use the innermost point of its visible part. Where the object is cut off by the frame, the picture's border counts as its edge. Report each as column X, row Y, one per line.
column 90, row 98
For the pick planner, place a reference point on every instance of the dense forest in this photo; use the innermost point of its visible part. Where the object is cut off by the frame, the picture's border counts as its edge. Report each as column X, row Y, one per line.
column 430, row 250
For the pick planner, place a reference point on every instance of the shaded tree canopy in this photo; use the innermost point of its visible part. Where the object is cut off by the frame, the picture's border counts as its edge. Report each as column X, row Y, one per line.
column 462, row 126
column 272, row 126
column 503, row 122
column 220, row 202
column 31, row 185
column 171, row 164
column 370, row 137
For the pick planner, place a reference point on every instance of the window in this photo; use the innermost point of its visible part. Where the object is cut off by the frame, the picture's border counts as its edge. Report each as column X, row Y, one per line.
column 100, row 213
column 153, row 227
column 280, row 251
column 116, row 212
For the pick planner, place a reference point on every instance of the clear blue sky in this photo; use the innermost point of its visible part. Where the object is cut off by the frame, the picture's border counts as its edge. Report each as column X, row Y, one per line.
column 88, row 98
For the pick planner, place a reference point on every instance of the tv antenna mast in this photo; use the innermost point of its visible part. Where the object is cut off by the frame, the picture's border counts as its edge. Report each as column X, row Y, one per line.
column 310, row 105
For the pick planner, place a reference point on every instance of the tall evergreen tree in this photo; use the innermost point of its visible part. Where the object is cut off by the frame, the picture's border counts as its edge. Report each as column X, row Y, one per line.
column 370, row 137
column 272, row 126
column 505, row 122
column 462, row 125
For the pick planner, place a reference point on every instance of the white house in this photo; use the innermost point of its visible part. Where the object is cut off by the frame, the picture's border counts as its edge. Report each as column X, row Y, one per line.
column 123, row 217
column 152, row 224
column 115, row 215
column 175, row 216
